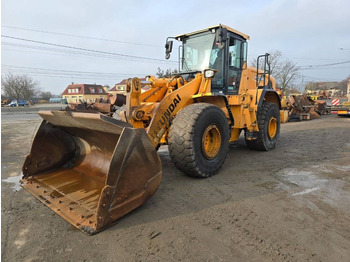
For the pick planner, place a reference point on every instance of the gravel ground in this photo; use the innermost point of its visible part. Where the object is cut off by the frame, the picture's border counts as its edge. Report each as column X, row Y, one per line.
column 288, row 204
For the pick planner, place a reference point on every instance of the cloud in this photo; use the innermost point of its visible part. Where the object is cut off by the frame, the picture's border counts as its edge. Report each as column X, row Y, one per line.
column 304, row 30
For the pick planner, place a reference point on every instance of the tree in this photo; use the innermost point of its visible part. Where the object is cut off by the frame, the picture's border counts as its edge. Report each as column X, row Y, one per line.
column 275, row 58
column 19, row 86
column 287, row 74
column 343, row 85
column 283, row 70
column 45, row 95
column 169, row 72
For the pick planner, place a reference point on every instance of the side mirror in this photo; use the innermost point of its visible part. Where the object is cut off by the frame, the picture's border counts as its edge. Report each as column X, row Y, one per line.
column 168, row 49
column 221, row 37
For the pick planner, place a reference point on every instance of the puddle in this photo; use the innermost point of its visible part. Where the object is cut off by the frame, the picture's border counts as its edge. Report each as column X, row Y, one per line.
column 307, row 191
column 323, row 168
column 306, row 179
column 343, row 168
column 327, row 182
column 14, row 180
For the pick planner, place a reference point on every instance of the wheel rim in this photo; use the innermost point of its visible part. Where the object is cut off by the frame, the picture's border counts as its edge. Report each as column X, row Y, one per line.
column 272, row 128
column 211, row 141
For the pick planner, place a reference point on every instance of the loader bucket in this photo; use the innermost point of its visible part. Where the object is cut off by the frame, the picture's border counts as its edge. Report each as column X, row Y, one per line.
column 90, row 169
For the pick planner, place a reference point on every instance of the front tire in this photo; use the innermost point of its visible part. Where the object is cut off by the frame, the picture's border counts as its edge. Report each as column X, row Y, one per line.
column 269, row 128
column 199, row 140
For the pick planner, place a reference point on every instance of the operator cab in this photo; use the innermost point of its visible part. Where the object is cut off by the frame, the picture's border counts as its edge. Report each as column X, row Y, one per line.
column 221, row 48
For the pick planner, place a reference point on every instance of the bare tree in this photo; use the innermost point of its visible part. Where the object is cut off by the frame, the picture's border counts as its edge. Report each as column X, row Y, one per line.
column 343, row 85
column 287, row 74
column 169, row 72
column 19, row 86
column 275, row 59
column 283, row 70
column 46, row 95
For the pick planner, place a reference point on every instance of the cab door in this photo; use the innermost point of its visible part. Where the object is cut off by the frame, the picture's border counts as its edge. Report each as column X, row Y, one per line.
column 236, row 61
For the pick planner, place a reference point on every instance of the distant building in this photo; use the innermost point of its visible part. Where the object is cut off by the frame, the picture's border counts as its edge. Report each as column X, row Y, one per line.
column 120, row 88
column 106, row 88
column 325, row 90
column 84, row 92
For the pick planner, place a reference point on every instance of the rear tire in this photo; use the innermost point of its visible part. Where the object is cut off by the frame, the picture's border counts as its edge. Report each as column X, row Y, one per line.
column 199, row 140
column 269, row 128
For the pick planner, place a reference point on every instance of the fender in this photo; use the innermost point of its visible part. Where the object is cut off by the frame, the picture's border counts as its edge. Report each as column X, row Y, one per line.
column 204, row 98
column 271, row 96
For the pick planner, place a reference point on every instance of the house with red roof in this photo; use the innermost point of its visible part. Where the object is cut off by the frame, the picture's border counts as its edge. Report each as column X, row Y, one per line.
column 84, row 92
column 120, row 88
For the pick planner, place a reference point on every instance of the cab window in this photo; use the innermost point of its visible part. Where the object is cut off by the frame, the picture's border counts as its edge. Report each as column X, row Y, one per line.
column 234, row 65
column 235, row 53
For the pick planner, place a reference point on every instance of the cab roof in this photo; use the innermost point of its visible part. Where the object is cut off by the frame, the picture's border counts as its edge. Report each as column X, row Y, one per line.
column 215, row 27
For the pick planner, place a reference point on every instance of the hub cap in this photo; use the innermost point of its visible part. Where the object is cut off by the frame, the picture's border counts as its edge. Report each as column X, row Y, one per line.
column 211, row 141
column 272, row 128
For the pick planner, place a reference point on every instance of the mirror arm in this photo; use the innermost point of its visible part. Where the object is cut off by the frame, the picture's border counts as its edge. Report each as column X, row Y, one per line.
column 168, row 47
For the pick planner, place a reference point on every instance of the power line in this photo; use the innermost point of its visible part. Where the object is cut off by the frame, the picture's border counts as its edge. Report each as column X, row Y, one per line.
column 70, row 76
column 315, row 59
column 45, row 72
column 69, row 71
column 303, row 58
column 324, row 68
column 79, row 36
column 88, row 50
column 319, row 78
column 326, row 65
column 74, row 52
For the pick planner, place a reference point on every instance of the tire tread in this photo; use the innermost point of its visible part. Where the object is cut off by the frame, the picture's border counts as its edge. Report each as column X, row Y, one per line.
column 181, row 135
column 260, row 143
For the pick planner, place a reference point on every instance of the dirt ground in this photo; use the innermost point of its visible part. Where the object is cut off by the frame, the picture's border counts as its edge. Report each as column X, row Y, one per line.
column 288, row 204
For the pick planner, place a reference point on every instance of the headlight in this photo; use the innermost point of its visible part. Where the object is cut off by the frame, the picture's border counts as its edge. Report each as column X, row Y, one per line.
column 209, row 73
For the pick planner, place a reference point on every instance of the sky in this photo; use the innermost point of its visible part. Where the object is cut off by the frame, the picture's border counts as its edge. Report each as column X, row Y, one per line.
column 105, row 41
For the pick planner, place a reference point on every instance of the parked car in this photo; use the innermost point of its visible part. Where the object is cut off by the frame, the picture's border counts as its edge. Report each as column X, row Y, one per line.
column 31, row 102
column 19, row 103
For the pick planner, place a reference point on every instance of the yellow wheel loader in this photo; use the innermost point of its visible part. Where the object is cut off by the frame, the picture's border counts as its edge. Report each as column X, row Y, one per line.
column 97, row 163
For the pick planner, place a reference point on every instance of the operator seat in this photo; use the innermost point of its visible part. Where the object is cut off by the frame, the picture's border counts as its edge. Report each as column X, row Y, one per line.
column 218, row 64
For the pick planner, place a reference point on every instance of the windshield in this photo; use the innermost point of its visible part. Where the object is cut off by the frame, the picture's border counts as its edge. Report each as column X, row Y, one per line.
column 198, row 52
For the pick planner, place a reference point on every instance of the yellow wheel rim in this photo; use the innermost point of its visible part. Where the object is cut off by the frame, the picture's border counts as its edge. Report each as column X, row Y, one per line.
column 272, row 128
column 211, row 141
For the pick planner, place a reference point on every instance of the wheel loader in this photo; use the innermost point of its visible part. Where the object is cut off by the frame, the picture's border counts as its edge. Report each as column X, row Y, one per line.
column 94, row 164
